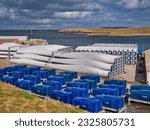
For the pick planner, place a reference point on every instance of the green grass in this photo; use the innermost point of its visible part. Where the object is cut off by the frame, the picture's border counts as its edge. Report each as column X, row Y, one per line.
column 14, row 100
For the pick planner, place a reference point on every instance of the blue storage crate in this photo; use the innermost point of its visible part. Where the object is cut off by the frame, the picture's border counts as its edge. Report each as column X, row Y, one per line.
column 68, row 77
column 91, row 105
column 35, row 79
column 35, row 68
column 91, row 77
column 57, row 78
column 52, row 72
column 63, row 96
column 112, row 102
column 73, row 74
column 25, row 84
column 17, row 74
column 139, row 87
column 3, row 71
column 121, row 88
column 42, row 74
column 135, row 94
column 105, row 91
column 78, row 92
column 116, row 82
column 9, row 79
column 55, row 84
column 78, row 84
column 11, row 68
column 145, row 95
column 18, row 67
column 1, row 76
column 76, row 101
column 26, row 71
column 92, row 83
column 43, row 90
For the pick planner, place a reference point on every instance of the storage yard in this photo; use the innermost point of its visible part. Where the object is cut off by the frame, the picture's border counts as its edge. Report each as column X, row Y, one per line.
column 93, row 78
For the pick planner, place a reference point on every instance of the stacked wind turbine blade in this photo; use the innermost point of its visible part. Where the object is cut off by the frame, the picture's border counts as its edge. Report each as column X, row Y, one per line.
column 61, row 57
column 8, row 49
column 128, row 51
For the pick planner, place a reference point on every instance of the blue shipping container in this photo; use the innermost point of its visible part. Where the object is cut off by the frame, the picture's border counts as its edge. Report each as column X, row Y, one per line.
column 1, row 76
column 105, row 91
column 78, row 92
column 113, row 102
column 145, row 95
column 25, row 84
column 26, row 71
column 9, row 79
column 63, row 96
column 42, row 74
column 55, row 84
column 73, row 74
column 57, row 78
column 92, row 83
column 121, row 88
column 68, row 77
column 139, row 87
column 17, row 74
column 78, row 84
column 135, row 94
column 91, row 77
column 43, row 90
column 91, row 105
column 3, row 71
column 35, row 79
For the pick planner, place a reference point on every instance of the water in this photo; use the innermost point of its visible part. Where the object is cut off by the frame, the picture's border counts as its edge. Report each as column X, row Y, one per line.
column 55, row 37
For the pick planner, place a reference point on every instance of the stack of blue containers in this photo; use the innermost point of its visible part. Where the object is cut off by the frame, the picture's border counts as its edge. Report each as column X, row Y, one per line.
column 92, row 83
column 91, row 105
column 63, row 96
column 3, row 71
column 1, row 76
column 43, row 74
column 46, row 83
column 78, row 84
column 24, row 84
column 140, row 92
column 78, row 92
column 33, row 78
column 43, row 90
column 91, row 77
column 116, row 84
column 57, row 78
column 55, row 84
column 113, row 102
column 105, row 91
column 110, row 93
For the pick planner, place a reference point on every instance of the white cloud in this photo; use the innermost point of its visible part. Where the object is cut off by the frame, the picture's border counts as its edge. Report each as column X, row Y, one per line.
column 5, row 12
column 42, row 21
column 72, row 14
column 90, row 6
column 133, row 4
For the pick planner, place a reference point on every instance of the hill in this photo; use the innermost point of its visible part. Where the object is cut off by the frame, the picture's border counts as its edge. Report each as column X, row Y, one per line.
column 111, row 32
column 14, row 100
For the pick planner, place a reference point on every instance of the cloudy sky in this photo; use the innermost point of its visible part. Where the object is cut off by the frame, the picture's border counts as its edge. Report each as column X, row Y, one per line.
column 56, row 14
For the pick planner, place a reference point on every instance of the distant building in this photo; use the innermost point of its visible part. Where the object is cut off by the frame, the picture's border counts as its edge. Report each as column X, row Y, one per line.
column 16, row 39
column 38, row 42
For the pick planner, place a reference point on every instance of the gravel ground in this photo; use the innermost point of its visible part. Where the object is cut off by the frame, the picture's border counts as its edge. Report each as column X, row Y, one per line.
column 4, row 63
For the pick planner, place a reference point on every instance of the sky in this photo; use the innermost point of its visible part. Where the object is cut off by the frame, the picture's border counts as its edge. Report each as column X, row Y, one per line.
column 59, row 14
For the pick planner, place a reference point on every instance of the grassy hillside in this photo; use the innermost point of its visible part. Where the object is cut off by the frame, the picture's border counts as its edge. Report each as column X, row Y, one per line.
column 145, row 31
column 15, row 100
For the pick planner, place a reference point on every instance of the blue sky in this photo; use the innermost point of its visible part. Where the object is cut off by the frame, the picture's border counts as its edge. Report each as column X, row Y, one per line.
column 57, row 14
